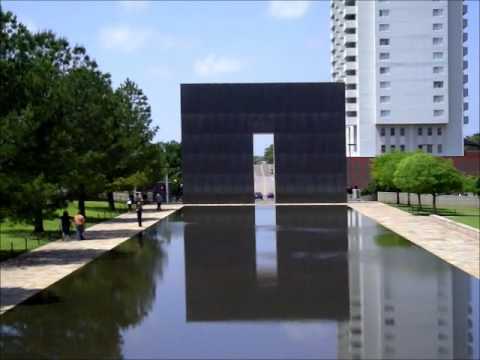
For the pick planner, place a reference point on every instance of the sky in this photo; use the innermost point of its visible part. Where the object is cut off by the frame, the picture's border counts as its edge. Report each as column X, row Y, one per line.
column 162, row 44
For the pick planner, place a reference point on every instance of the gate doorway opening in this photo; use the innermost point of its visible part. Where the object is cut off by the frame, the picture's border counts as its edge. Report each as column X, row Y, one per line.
column 264, row 168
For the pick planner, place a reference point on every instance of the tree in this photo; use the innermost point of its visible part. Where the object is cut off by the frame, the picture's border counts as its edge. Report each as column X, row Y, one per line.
column 424, row 173
column 472, row 142
column 268, row 154
column 383, row 170
column 471, row 184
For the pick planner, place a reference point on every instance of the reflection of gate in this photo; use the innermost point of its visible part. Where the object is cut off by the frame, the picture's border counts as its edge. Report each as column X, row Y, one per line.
column 308, row 123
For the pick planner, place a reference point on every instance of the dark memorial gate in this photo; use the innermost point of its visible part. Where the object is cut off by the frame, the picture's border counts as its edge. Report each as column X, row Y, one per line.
column 308, row 123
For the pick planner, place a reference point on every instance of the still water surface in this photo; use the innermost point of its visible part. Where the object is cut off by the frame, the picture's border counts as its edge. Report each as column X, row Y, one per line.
column 255, row 282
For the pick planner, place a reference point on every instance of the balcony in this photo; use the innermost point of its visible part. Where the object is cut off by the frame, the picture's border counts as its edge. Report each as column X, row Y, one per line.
column 465, row 78
column 350, row 24
column 350, row 107
column 349, row 10
column 465, row 37
column 465, row 51
column 465, row 92
column 350, row 52
column 350, row 93
column 465, row 9
column 465, row 106
column 465, row 64
column 465, row 23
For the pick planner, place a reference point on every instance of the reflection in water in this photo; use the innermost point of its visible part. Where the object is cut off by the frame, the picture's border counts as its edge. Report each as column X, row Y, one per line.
column 89, row 309
column 264, row 282
column 225, row 278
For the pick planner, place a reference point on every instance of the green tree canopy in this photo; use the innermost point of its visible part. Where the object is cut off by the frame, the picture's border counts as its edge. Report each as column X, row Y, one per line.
column 383, row 170
column 424, row 173
column 268, row 154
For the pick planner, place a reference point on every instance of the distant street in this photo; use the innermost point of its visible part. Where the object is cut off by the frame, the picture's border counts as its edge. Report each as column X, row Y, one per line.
column 264, row 179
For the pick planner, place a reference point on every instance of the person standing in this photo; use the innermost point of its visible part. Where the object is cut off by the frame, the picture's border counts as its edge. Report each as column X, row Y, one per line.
column 79, row 221
column 65, row 222
column 158, row 199
column 139, row 210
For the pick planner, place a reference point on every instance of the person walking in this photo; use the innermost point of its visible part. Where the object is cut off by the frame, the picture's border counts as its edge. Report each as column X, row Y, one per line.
column 66, row 222
column 79, row 221
column 158, row 199
column 139, row 210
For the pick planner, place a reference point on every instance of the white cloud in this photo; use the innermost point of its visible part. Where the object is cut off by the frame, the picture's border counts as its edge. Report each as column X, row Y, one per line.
column 288, row 9
column 124, row 38
column 214, row 65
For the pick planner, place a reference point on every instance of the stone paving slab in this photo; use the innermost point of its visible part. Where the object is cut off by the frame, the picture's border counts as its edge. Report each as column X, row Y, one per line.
column 30, row 273
column 458, row 248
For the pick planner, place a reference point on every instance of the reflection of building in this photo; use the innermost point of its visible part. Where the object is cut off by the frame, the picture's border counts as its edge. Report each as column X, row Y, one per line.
column 232, row 275
column 405, row 302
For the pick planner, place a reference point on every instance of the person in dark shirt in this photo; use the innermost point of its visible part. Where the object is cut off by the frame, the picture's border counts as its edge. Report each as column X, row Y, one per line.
column 65, row 223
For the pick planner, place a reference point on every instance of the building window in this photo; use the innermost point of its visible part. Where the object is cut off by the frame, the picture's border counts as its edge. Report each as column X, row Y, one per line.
column 350, row 58
column 420, row 131
column 384, row 56
column 350, row 17
column 384, row 69
column 384, row 27
column 438, row 112
column 383, row 12
column 383, row 149
column 384, row 113
column 384, row 42
column 392, row 131
column 438, row 55
column 351, row 113
column 384, row 99
column 350, row 31
column 439, row 131
column 351, row 100
column 438, row 98
column 392, row 147
column 437, row 41
column 429, row 148
column 438, row 69
column 382, row 131
column 351, row 72
column 420, row 147
column 436, row 12
column 350, row 44
column 351, row 86
column 402, row 131
column 438, row 84
column 385, row 84
column 429, row 131
column 439, row 148
column 437, row 26
column 402, row 148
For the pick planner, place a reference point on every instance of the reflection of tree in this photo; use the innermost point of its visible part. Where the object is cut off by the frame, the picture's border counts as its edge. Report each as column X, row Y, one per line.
column 389, row 239
column 83, row 316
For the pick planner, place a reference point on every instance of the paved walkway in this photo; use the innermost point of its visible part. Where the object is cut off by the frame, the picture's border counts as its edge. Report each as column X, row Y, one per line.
column 30, row 273
column 457, row 248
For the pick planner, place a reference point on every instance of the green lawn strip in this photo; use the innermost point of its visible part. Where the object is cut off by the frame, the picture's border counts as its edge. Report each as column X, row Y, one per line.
column 467, row 216
column 19, row 236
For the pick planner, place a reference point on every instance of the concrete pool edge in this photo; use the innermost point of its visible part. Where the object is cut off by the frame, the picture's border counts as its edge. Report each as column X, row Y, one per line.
column 26, row 275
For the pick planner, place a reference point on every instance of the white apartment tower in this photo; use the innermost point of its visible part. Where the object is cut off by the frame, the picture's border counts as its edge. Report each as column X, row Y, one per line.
column 404, row 67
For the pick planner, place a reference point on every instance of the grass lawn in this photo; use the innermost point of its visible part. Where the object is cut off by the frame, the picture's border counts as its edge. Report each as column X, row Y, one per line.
column 20, row 237
column 467, row 216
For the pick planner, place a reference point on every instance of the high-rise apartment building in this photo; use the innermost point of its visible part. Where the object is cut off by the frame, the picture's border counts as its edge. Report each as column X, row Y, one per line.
column 404, row 67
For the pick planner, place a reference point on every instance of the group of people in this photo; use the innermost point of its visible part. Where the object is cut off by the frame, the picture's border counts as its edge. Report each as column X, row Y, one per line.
column 66, row 223
column 79, row 220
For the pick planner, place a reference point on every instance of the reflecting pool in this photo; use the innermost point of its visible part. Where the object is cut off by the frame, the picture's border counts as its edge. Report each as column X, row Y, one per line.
column 254, row 282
